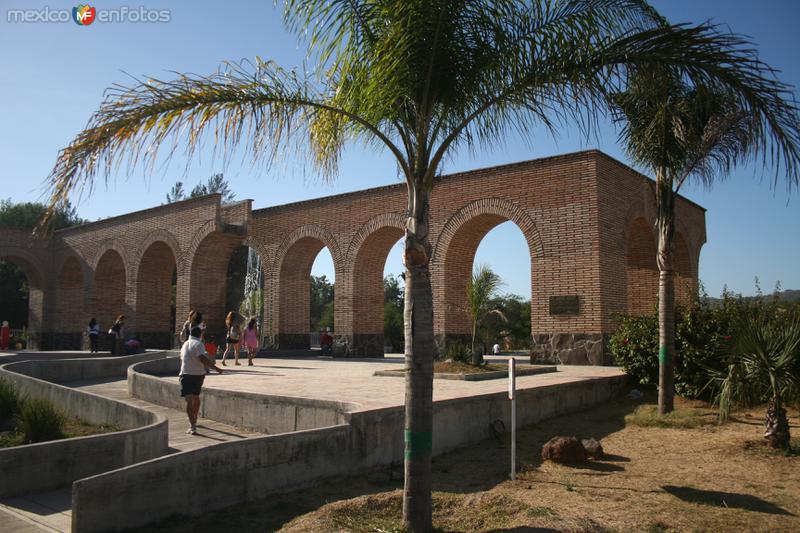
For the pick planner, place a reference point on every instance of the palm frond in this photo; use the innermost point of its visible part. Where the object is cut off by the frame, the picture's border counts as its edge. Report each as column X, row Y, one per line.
column 257, row 107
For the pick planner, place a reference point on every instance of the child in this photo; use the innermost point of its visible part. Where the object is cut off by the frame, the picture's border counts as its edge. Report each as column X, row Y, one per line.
column 251, row 340
column 211, row 351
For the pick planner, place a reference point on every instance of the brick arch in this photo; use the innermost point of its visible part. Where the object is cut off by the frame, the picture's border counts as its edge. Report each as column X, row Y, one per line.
column 497, row 207
column 641, row 268
column 155, row 267
column 34, row 273
column 635, row 211
column 386, row 220
column 108, row 290
column 186, row 261
column 208, row 280
column 684, row 279
column 368, row 251
column 70, row 319
column 291, row 275
column 102, row 248
column 688, row 269
column 455, row 251
column 309, row 231
column 159, row 235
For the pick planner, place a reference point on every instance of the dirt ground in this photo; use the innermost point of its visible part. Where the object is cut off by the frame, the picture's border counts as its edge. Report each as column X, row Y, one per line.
column 707, row 478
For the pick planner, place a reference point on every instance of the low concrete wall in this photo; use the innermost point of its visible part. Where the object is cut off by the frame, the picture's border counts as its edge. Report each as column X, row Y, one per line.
column 49, row 465
column 270, row 414
column 196, row 482
column 234, row 472
column 77, row 366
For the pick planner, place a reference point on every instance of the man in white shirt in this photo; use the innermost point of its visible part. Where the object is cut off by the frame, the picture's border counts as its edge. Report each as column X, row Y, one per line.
column 194, row 362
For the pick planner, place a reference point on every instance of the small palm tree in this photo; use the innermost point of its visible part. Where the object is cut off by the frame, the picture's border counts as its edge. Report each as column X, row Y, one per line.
column 682, row 130
column 481, row 291
column 764, row 365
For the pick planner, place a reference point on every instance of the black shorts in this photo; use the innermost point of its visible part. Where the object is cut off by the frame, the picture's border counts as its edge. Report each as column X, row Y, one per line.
column 232, row 341
column 191, row 384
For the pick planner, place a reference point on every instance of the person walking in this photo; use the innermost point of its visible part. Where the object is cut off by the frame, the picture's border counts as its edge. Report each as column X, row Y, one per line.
column 117, row 333
column 194, row 361
column 94, row 334
column 232, row 337
column 251, row 340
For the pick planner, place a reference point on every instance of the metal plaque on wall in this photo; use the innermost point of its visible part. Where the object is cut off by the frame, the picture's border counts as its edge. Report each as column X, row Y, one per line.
column 564, row 305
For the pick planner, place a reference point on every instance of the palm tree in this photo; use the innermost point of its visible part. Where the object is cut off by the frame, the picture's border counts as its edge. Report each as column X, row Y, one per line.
column 763, row 365
column 679, row 131
column 420, row 78
column 481, row 289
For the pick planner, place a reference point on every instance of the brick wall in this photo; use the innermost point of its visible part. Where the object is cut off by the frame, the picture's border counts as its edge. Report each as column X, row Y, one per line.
column 587, row 220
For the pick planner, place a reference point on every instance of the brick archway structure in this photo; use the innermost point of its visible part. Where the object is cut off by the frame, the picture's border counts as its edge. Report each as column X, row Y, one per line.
column 575, row 211
column 454, row 253
column 367, row 258
column 291, row 283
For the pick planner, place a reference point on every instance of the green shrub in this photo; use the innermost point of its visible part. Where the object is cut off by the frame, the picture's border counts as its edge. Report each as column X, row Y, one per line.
column 39, row 421
column 704, row 333
column 457, row 351
column 9, row 401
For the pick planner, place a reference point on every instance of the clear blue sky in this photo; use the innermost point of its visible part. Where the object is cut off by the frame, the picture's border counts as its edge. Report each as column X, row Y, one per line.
column 54, row 75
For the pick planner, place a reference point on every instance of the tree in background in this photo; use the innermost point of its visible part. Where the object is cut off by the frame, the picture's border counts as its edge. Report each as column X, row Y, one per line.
column 215, row 184
column 27, row 215
column 517, row 326
column 482, row 290
column 322, row 293
column 420, row 79
column 393, row 334
column 682, row 130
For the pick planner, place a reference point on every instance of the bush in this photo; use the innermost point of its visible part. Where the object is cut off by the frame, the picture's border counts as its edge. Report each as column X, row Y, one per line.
column 704, row 332
column 9, row 401
column 39, row 421
column 458, row 351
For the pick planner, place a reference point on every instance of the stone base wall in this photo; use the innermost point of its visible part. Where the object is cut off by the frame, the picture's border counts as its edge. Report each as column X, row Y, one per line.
column 292, row 341
column 59, row 341
column 162, row 340
column 570, row 349
column 364, row 345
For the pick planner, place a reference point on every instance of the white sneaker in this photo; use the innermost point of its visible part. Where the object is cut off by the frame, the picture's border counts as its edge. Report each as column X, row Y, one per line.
column 192, row 431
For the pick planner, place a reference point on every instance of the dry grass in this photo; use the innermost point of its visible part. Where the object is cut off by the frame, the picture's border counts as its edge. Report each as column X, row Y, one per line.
column 703, row 478
column 684, row 417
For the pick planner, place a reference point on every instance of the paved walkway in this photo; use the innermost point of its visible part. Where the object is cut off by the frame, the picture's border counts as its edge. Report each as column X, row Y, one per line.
column 208, row 431
column 51, row 511
column 352, row 380
column 349, row 380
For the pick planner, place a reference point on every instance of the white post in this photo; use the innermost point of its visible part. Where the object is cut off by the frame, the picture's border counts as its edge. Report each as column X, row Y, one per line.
column 512, row 396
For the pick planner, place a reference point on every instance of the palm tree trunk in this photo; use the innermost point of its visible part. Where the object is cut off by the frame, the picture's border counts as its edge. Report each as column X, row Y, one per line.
column 777, row 426
column 419, row 351
column 665, row 222
column 476, row 357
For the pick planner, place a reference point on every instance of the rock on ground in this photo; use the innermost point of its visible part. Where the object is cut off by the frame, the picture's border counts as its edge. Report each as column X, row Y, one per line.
column 564, row 450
